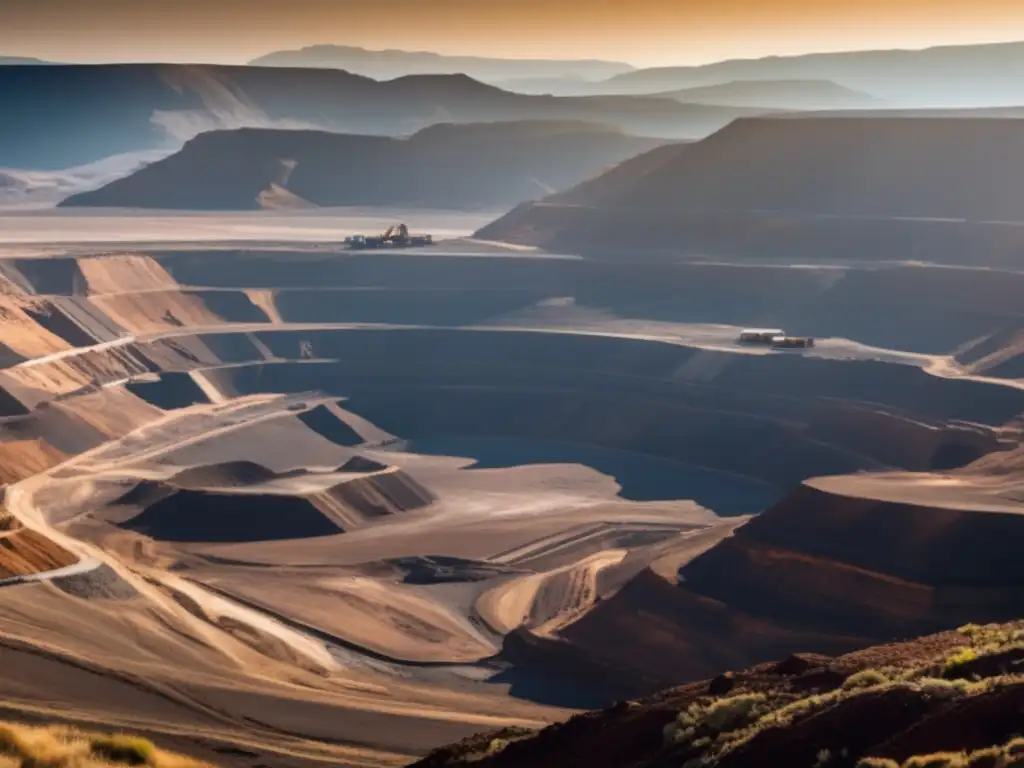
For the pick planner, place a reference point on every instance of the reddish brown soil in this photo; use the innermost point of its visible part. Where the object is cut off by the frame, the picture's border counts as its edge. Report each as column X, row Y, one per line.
column 895, row 722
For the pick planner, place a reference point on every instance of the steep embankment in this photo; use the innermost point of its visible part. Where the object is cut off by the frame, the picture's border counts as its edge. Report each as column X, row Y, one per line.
column 243, row 502
column 446, row 166
column 777, row 94
column 836, row 188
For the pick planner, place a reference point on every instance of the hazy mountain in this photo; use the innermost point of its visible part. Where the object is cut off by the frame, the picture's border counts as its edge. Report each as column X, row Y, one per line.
column 966, row 75
column 19, row 60
column 777, row 94
column 44, row 189
column 863, row 188
column 386, row 65
column 495, row 165
column 61, row 116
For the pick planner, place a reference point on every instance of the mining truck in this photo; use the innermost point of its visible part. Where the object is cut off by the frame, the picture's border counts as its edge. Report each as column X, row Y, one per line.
column 396, row 236
column 760, row 335
column 792, row 342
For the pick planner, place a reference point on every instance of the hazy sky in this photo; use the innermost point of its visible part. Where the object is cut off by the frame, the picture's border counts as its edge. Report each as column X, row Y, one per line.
column 645, row 32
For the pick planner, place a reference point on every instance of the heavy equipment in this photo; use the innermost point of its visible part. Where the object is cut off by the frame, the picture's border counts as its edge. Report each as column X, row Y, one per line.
column 760, row 335
column 396, row 236
column 792, row 342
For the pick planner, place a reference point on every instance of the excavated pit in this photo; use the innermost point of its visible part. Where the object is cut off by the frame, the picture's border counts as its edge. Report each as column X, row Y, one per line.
column 732, row 431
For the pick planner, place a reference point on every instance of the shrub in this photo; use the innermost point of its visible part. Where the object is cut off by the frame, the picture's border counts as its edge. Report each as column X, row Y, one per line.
column 942, row 689
column 866, row 678
column 1015, row 747
column 824, row 758
column 130, row 750
column 66, row 747
column 957, row 660
column 986, row 758
column 720, row 716
column 729, row 714
column 938, row 760
column 877, row 762
column 496, row 746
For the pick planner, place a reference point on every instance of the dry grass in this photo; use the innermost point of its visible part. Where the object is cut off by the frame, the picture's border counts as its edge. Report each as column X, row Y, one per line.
column 64, row 747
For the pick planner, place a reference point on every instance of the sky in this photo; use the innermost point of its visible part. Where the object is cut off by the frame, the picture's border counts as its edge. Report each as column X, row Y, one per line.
column 641, row 32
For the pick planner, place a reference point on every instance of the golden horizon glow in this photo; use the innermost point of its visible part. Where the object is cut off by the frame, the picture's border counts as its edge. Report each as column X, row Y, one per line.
column 640, row 32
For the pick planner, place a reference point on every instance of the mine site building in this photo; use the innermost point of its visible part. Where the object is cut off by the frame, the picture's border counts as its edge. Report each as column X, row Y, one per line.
column 792, row 342
column 760, row 335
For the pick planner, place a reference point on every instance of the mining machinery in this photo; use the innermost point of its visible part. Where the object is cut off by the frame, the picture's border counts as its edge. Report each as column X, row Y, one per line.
column 396, row 236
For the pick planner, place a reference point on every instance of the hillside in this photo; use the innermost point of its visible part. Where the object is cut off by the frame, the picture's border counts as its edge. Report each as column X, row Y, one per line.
column 44, row 189
column 876, row 187
column 949, row 700
column 476, row 166
column 124, row 108
column 965, row 75
column 26, row 746
column 385, row 65
column 777, row 94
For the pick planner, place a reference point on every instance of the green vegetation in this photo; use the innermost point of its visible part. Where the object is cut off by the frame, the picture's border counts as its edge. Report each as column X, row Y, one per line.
column 496, row 746
column 130, row 750
column 958, row 660
column 1009, row 755
column 64, row 747
column 710, row 729
column 866, row 678
column 840, row 710
column 720, row 716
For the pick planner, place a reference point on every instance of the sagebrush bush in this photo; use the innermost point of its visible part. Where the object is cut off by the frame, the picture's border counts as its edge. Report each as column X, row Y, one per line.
column 130, row 750
column 958, row 659
column 986, row 758
column 720, row 716
column 728, row 714
column 23, row 746
column 938, row 760
column 866, row 678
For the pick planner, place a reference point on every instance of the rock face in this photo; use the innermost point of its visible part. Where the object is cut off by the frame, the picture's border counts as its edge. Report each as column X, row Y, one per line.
column 446, row 166
column 848, row 187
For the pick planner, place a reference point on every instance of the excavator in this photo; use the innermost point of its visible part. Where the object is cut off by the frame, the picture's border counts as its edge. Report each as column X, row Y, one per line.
column 396, row 236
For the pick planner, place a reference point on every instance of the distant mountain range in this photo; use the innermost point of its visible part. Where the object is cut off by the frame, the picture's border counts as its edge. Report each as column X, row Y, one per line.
column 6, row 61
column 386, row 65
column 488, row 166
column 946, row 76
column 124, row 108
column 964, row 75
column 777, row 94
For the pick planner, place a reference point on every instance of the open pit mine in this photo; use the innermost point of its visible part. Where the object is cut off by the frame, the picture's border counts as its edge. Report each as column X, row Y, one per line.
column 332, row 507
